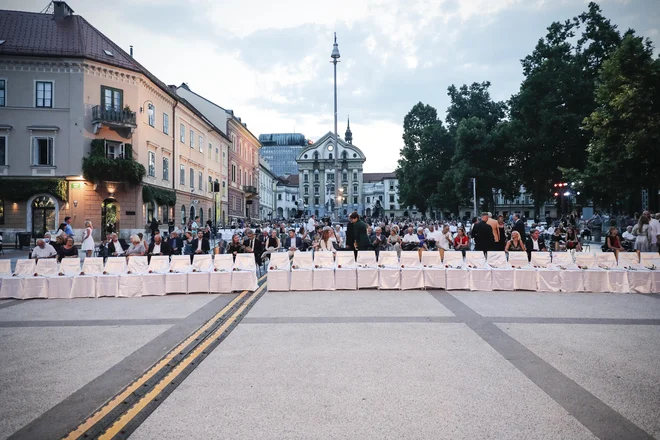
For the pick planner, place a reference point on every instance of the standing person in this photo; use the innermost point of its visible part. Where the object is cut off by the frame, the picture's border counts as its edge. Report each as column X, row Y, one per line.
column 501, row 243
column 642, row 232
column 360, row 237
column 153, row 226
column 88, row 241
column 195, row 225
column 654, row 230
column 311, row 223
column 68, row 229
column 519, row 225
column 494, row 225
column 482, row 233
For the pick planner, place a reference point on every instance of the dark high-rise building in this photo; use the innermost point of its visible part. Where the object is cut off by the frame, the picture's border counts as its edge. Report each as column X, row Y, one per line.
column 281, row 151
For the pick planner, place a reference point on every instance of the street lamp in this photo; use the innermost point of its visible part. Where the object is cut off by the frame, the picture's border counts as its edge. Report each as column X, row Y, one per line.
column 335, row 59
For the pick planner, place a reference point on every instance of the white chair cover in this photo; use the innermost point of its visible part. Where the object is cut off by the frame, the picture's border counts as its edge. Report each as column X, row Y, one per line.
column 302, row 276
column 389, row 270
column 245, row 278
column 324, row 271
column 481, row 278
column 617, row 277
column 458, row 277
column 130, row 283
column 279, row 272
column 153, row 282
column 651, row 261
column 629, row 259
column 412, row 276
column 107, row 284
column 548, row 275
column 60, row 286
column 37, row 286
column 85, row 286
column 176, row 280
column 595, row 279
column 571, row 276
column 47, row 267
column 220, row 277
column 5, row 267
column 524, row 275
column 433, row 270
column 367, row 270
column 25, row 267
column 501, row 272
column 199, row 280
column 346, row 271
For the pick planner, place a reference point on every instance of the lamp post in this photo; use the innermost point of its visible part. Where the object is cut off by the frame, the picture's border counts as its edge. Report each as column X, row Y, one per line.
column 335, row 59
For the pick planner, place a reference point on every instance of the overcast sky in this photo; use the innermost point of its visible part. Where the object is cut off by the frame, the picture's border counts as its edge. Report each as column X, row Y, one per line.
column 269, row 60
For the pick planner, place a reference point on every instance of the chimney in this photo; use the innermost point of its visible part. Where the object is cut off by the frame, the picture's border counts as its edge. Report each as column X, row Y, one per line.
column 61, row 10
column 131, row 51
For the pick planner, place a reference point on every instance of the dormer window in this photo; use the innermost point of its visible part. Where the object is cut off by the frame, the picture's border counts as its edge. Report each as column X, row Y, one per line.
column 108, row 53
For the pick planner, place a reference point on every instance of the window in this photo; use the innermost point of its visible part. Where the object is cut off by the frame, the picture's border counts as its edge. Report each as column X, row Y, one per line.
column 42, row 151
column 380, row 198
column 316, row 200
column 112, row 99
column 391, row 207
column 316, row 189
column 217, row 154
column 391, row 198
column 2, row 212
column 166, row 168
column 182, row 133
column 192, row 178
column 114, row 150
column 165, row 215
column 192, row 139
column 152, row 116
column 355, row 174
column 183, row 213
column 166, row 123
column 200, row 141
column 306, row 178
column 368, row 199
column 306, row 190
column 200, row 182
column 355, row 188
column 245, row 179
column 279, row 197
column 3, row 93
column 330, row 156
column 44, row 94
column 355, row 200
column 344, row 176
column 233, row 173
column 306, row 200
column 293, row 197
column 211, row 152
column 3, row 150
column 152, row 164
column 210, row 185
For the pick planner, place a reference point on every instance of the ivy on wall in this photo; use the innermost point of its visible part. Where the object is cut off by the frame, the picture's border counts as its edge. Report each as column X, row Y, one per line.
column 161, row 196
column 20, row 190
column 98, row 168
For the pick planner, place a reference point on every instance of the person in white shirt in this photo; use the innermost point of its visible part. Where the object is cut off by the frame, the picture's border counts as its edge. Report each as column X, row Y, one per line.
column 311, row 224
column 445, row 240
column 628, row 235
column 433, row 236
column 654, row 227
column 43, row 250
column 410, row 240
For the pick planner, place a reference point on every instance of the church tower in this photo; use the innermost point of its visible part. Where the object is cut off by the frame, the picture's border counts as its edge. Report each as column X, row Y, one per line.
column 348, row 137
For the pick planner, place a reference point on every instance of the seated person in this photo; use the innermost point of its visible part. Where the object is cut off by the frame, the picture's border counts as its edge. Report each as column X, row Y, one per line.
column 136, row 249
column 325, row 243
column 422, row 239
column 394, row 240
column 515, row 244
column 628, row 235
column 235, row 247
column 557, row 240
column 159, row 247
column 254, row 246
column 43, row 250
column 175, row 243
column 612, row 241
column 293, row 243
column 117, row 246
column 68, row 250
column 410, row 240
column 379, row 241
column 572, row 240
column 461, row 241
column 535, row 243
column 200, row 245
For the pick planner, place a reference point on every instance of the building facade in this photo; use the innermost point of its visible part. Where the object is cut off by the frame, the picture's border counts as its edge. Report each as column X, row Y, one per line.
column 381, row 195
column 87, row 132
column 288, row 204
column 266, row 190
column 316, row 165
column 281, row 151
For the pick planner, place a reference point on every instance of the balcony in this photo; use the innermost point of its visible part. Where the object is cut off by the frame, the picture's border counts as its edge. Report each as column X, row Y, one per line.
column 122, row 121
column 250, row 190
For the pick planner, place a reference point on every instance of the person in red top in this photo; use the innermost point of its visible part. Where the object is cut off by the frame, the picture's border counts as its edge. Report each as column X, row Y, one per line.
column 462, row 241
column 613, row 242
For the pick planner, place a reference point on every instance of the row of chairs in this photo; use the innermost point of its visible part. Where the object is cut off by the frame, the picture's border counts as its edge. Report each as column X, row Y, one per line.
column 561, row 272
column 121, row 278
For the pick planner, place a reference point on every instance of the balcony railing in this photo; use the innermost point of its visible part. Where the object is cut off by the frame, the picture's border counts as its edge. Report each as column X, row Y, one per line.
column 113, row 118
column 249, row 189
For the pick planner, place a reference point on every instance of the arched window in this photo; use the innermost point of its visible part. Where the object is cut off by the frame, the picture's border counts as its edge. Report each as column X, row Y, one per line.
column 210, row 214
column 316, row 155
column 192, row 213
column 183, row 214
column 330, row 156
column 43, row 215
column 2, row 212
column 201, row 216
column 344, row 155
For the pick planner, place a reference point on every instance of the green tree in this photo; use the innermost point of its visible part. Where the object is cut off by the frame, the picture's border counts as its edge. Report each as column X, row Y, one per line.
column 624, row 154
column 425, row 156
column 555, row 97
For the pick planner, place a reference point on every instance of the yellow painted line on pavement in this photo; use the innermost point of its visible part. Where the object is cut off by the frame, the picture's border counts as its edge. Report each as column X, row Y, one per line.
column 121, row 423
column 118, row 399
